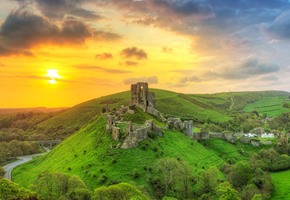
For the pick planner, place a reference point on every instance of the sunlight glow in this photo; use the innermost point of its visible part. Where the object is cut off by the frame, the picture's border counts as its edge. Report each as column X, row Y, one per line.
column 53, row 75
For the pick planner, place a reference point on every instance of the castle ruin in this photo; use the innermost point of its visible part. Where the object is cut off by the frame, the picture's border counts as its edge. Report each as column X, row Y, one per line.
column 141, row 96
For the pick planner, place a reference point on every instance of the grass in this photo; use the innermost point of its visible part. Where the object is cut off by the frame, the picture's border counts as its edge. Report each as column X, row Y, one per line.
column 272, row 106
column 140, row 117
column 231, row 153
column 281, row 184
column 201, row 107
column 88, row 154
column 180, row 107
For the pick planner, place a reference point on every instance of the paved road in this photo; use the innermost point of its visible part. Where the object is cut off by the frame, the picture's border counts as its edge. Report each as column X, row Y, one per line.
column 20, row 160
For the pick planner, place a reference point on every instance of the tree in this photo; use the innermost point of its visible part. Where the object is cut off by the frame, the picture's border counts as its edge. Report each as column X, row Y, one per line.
column 80, row 194
column 240, row 174
column 283, row 143
column 2, row 172
column 249, row 191
column 171, row 178
column 227, row 192
column 257, row 197
column 51, row 186
column 11, row 191
column 120, row 191
column 208, row 180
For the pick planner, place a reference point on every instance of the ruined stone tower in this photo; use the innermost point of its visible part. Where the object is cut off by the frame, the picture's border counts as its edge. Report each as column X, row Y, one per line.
column 141, row 96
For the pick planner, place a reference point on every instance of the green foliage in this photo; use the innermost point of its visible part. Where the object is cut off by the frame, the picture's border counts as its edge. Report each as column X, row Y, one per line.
column 230, row 153
column 281, row 123
column 2, row 172
column 50, row 186
column 12, row 191
column 249, row 180
column 270, row 160
column 241, row 174
column 97, row 162
column 79, row 194
column 226, row 192
column 16, row 148
column 120, row 191
column 257, row 197
column 169, row 198
column 171, row 178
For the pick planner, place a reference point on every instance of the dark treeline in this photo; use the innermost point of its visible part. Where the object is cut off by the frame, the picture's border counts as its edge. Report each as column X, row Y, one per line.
column 14, row 148
column 19, row 133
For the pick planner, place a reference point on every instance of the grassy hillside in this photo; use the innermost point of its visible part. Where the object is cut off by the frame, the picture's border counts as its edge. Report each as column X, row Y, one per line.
column 272, row 106
column 88, row 154
column 281, row 184
column 216, row 107
column 231, row 153
column 240, row 100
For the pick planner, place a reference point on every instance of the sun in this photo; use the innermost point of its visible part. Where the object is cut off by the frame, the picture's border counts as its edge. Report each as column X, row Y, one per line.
column 53, row 75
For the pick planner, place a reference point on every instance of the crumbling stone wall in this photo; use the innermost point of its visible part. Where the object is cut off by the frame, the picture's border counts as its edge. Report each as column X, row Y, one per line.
column 141, row 96
column 111, row 122
column 138, row 134
column 185, row 127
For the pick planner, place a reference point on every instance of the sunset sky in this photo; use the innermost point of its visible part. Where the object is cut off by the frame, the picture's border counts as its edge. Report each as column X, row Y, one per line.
column 57, row 53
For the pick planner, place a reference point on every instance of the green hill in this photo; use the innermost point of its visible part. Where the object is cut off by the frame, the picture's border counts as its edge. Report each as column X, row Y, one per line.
column 200, row 107
column 88, row 154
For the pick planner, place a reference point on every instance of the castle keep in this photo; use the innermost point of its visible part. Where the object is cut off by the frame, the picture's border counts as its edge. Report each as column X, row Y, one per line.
column 141, row 96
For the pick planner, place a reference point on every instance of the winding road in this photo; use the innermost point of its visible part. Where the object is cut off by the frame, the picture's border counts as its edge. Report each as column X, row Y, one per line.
column 20, row 160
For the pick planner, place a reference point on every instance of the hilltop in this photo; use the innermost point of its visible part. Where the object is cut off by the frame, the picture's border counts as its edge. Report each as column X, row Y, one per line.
column 198, row 107
column 89, row 153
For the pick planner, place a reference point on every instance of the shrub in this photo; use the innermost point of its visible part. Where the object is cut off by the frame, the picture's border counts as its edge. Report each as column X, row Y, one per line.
column 103, row 179
column 135, row 173
column 120, row 191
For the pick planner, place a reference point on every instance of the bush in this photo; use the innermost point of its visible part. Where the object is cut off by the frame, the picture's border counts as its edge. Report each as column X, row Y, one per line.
column 2, row 172
column 120, row 191
column 80, row 194
column 135, row 173
column 56, row 185
column 103, row 179
column 10, row 190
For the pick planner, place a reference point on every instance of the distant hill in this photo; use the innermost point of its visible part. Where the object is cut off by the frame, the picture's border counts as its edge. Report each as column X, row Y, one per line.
column 198, row 107
column 5, row 111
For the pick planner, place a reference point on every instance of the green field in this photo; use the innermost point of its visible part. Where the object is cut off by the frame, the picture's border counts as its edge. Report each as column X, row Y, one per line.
column 281, row 184
column 272, row 106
